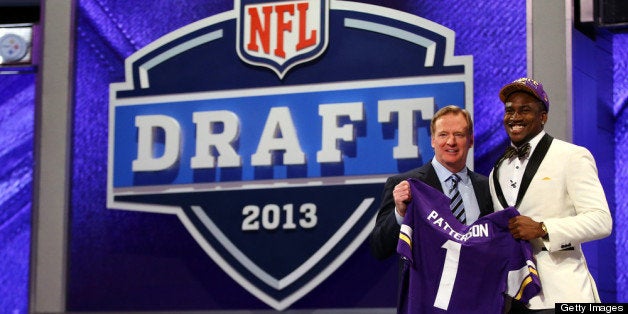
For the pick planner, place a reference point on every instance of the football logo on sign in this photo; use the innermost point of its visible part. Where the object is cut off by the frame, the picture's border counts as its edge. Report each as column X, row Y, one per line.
column 281, row 34
column 255, row 163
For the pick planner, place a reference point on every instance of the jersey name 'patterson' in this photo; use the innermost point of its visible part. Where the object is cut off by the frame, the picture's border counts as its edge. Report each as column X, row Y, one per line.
column 476, row 230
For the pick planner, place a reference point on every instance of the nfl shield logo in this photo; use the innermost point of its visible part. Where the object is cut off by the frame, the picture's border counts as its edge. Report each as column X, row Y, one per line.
column 281, row 34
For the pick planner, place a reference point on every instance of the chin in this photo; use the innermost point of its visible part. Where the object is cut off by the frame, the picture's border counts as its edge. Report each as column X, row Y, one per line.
column 515, row 138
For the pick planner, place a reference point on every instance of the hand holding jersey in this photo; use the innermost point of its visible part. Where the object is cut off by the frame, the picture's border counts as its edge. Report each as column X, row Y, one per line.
column 402, row 197
column 524, row 228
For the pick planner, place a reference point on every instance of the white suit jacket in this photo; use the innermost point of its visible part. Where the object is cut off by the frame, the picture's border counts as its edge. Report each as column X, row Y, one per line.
column 566, row 194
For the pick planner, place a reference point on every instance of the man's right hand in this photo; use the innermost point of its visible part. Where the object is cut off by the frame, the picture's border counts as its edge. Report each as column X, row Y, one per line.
column 402, row 196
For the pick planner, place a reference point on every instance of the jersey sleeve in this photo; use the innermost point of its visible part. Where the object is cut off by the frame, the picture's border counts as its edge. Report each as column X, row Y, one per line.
column 524, row 283
column 404, row 246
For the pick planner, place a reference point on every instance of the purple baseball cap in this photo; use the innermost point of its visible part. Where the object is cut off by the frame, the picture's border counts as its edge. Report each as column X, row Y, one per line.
column 527, row 85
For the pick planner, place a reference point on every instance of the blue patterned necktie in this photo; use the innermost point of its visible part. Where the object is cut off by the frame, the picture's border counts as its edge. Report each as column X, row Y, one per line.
column 456, row 205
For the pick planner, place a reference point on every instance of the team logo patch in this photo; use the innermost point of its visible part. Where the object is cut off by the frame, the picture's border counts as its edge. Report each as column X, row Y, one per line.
column 269, row 131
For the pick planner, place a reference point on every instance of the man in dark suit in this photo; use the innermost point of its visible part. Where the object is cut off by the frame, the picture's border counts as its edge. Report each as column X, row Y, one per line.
column 452, row 137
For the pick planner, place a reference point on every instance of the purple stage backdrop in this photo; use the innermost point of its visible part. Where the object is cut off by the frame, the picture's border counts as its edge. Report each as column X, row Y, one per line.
column 123, row 260
column 620, row 112
column 17, row 104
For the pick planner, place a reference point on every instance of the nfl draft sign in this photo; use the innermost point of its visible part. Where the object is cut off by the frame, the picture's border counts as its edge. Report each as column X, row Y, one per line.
column 269, row 130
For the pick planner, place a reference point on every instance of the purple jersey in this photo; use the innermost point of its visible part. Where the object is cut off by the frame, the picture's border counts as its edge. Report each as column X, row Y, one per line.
column 450, row 267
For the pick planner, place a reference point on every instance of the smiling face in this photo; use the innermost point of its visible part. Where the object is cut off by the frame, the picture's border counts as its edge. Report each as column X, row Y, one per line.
column 451, row 141
column 524, row 117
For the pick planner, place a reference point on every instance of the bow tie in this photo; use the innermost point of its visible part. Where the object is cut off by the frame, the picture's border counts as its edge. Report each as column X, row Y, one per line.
column 520, row 152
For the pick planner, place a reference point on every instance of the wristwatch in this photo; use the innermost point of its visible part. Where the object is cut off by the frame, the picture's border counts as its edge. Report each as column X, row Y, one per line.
column 546, row 236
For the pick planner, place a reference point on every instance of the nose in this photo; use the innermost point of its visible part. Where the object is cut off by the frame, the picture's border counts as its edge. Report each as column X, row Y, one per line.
column 451, row 140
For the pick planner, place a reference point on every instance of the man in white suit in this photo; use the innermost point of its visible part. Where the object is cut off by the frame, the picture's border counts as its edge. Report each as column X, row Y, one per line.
column 555, row 187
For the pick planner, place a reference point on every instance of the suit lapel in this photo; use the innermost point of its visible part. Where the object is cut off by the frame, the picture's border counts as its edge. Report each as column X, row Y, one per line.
column 498, row 187
column 481, row 196
column 431, row 178
column 533, row 165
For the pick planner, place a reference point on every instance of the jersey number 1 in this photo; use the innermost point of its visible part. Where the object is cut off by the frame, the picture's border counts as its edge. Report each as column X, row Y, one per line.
column 448, row 276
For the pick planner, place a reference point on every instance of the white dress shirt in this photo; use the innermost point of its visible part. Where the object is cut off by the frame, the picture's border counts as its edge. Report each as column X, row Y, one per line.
column 511, row 172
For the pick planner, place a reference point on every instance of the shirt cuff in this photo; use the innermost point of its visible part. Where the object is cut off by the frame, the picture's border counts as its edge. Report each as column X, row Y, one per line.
column 398, row 217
